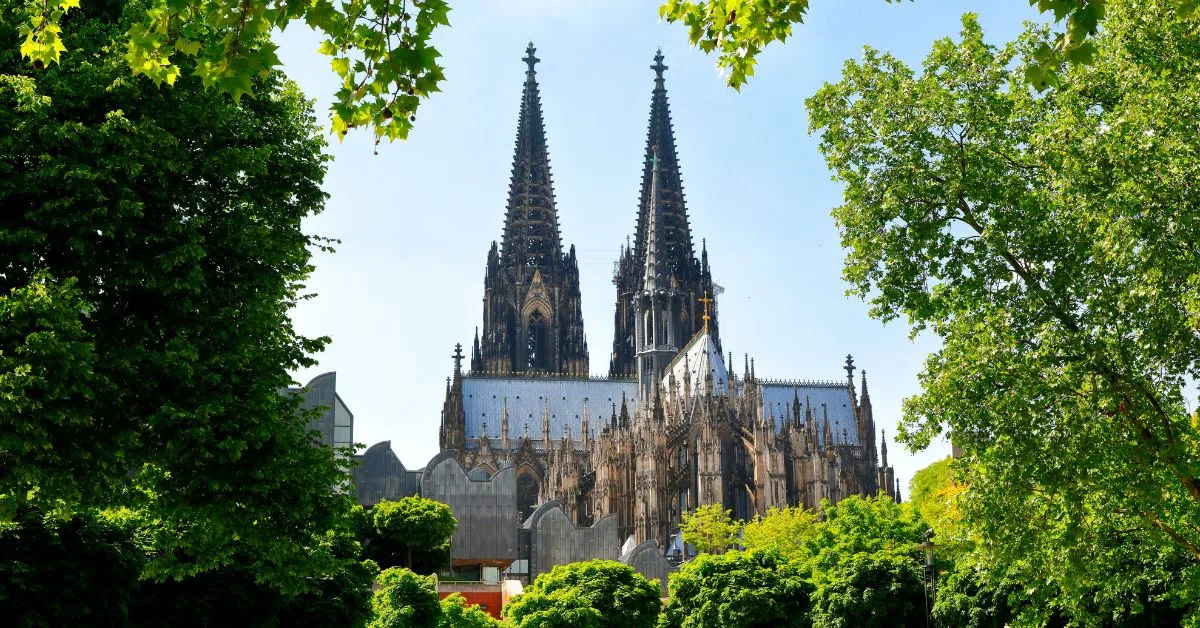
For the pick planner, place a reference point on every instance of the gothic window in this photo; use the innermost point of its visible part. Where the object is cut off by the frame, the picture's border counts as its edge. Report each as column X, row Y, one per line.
column 527, row 493
column 537, row 342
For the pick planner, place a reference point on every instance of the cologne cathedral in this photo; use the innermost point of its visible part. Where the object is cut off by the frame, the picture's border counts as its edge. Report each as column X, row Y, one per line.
column 672, row 426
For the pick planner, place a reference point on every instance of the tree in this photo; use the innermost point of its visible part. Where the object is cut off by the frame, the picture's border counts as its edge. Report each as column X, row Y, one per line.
column 622, row 597
column 935, row 495
column 405, row 600
column 457, row 613
column 748, row 589
column 60, row 571
column 860, row 525
column 876, row 590
column 380, row 50
column 738, row 30
column 413, row 532
column 782, row 529
column 1045, row 239
column 709, row 528
column 563, row 608
column 152, row 249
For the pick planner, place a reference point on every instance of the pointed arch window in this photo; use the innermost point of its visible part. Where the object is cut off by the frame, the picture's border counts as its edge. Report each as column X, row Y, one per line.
column 537, row 342
column 527, row 493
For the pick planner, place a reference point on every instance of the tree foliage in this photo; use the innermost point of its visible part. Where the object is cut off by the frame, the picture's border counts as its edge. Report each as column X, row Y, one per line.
column 738, row 30
column 458, row 613
column 380, row 50
column 405, row 600
column 750, row 589
column 872, row 590
column 151, row 249
column 1047, row 239
column 413, row 532
column 710, row 528
column 783, row 530
column 935, row 496
column 861, row 525
column 620, row 597
column 61, row 571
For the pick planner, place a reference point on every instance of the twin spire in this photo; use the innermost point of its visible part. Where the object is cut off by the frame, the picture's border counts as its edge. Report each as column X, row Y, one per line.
column 531, row 235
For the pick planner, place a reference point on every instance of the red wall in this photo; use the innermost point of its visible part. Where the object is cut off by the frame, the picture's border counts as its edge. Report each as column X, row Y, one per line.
column 490, row 601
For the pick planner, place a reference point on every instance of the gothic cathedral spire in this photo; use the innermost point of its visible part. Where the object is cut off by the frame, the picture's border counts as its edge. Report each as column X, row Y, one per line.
column 662, row 199
column 532, row 312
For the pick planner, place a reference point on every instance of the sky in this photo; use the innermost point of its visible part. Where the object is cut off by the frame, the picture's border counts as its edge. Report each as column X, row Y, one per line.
column 415, row 221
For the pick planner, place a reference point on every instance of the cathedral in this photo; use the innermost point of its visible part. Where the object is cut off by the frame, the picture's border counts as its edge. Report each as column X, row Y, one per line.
column 672, row 426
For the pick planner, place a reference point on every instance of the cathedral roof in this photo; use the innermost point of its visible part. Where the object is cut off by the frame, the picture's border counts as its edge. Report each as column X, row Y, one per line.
column 778, row 397
column 697, row 359
column 529, row 398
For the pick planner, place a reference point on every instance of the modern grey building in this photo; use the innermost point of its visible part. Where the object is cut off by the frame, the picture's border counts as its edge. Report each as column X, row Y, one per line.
column 336, row 422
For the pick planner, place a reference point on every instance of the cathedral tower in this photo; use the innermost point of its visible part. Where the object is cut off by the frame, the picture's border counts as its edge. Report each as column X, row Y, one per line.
column 532, row 315
column 661, row 198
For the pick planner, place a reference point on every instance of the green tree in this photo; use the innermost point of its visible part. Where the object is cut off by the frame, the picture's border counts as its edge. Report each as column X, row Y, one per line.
column 622, row 597
column 405, row 600
column 563, row 608
column 380, row 50
column 61, row 571
column 152, row 249
column 1046, row 240
column 971, row 598
column 747, row 589
column 861, row 525
column 738, row 30
column 782, row 529
column 935, row 496
column 457, row 613
column 711, row 528
column 876, row 590
column 413, row 532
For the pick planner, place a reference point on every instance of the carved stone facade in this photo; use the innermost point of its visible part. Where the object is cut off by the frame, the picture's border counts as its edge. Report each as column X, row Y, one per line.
column 673, row 427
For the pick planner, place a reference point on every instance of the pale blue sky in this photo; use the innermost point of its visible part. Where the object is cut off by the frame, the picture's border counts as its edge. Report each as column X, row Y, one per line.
column 416, row 220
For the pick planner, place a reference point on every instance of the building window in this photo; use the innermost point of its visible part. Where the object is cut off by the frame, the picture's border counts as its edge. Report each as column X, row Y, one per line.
column 537, row 342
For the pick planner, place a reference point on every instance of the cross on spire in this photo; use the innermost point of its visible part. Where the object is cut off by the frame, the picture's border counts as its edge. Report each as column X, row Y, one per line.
column 529, row 58
column 458, row 357
column 849, row 367
column 705, row 300
column 658, row 66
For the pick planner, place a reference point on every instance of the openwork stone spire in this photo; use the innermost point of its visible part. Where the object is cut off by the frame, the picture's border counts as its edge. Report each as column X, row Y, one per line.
column 675, row 232
column 660, row 202
column 531, row 235
column 532, row 312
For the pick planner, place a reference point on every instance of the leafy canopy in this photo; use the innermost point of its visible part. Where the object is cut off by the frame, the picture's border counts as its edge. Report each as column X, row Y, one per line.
column 738, row 30
column 457, row 613
column 150, row 251
column 380, row 50
column 404, row 600
column 782, row 529
column 710, row 528
column 619, row 596
column 872, row 590
column 1049, row 241
column 751, row 589
column 413, row 532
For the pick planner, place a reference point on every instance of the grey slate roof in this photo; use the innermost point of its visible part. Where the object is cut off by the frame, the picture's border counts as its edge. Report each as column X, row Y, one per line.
column 529, row 397
column 778, row 396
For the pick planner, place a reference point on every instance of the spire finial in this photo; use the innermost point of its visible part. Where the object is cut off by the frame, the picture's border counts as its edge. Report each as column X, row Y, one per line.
column 849, row 368
column 705, row 300
column 458, row 357
column 658, row 66
column 529, row 57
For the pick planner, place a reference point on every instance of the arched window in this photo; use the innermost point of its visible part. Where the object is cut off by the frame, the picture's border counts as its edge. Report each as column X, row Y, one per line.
column 537, row 342
column 527, row 493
